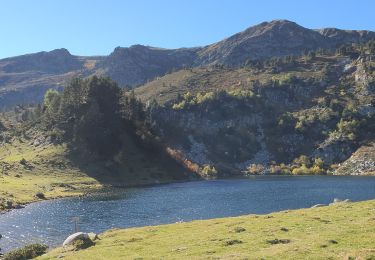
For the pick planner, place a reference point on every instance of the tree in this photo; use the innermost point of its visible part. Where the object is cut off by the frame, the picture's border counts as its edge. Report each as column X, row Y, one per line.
column 52, row 100
column 90, row 116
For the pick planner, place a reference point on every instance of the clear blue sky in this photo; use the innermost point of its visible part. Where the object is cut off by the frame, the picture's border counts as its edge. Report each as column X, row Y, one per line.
column 93, row 27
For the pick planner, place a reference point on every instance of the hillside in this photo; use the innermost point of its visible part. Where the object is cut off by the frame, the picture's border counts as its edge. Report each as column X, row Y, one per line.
column 319, row 233
column 24, row 79
column 295, row 115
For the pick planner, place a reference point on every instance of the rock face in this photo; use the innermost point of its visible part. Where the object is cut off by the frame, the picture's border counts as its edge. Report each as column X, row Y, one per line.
column 56, row 61
column 276, row 123
column 137, row 64
column 24, row 79
column 74, row 237
column 338, row 36
column 361, row 162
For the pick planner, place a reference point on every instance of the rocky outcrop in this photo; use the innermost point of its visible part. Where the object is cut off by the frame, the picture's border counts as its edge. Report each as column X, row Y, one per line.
column 137, row 64
column 361, row 162
column 56, row 61
column 338, row 36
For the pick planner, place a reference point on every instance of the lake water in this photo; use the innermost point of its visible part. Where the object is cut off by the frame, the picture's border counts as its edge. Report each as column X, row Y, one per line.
column 50, row 222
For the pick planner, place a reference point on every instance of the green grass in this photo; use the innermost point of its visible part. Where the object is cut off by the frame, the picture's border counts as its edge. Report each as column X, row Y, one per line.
column 341, row 231
column 47, row 171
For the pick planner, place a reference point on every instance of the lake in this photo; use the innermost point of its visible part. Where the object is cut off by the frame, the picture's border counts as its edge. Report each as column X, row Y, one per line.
column 50, row 222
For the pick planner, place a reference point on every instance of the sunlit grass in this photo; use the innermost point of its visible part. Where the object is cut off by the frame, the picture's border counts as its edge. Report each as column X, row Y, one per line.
column 342, row 231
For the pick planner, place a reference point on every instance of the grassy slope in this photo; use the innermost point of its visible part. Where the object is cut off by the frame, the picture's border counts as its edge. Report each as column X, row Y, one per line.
column 167, row 88
column 341, row 231
column 20, row 183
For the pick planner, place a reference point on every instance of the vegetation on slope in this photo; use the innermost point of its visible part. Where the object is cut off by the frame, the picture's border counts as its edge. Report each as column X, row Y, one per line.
column 339, row 231
column 266, row 115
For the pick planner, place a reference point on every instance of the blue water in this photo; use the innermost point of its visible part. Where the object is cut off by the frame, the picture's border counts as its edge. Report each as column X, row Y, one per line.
column 50, row 222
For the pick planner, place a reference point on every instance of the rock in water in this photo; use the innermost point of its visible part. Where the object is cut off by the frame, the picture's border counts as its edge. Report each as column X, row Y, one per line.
column 74, row 237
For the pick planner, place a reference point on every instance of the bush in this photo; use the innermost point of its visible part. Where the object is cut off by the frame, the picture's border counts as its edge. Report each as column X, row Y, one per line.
column 40, row 195
column 316, row 168
column 301, row 170
column 209, row 171
column 302, row 160
column 281, row 169
column 27, row 252
column 179, row 106
column 241, row 93
column 256, row 169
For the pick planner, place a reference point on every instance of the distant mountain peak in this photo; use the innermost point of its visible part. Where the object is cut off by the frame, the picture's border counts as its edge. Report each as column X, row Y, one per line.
column 61, row 51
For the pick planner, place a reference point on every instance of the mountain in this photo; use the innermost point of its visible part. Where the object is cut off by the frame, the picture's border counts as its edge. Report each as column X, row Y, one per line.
column 24, row 79
column 274, row 39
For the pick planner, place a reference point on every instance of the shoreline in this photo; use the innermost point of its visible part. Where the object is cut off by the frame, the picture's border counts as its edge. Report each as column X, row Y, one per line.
column 87, row 192
column 96, row 191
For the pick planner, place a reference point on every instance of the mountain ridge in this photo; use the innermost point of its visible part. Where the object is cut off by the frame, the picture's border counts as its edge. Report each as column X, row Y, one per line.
column 32, row 74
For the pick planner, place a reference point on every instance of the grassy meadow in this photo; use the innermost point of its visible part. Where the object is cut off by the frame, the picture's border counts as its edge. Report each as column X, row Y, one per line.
column 340, row 231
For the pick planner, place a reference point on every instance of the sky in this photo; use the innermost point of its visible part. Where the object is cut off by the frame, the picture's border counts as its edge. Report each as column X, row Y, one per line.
column 93, row 27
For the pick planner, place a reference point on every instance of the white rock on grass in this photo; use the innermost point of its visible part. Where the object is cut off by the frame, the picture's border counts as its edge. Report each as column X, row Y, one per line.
column 74, row 237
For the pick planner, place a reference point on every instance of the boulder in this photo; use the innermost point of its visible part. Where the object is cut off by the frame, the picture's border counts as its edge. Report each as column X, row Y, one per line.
column 335, row 201
column 74, row 237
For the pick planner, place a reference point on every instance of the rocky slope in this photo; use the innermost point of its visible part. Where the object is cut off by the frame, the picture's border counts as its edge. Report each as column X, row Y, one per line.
column 25, row 78
column 263, row 117
column 361, row 162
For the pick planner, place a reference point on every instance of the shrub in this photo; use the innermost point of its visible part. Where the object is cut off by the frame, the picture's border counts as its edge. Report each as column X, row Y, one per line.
column 209, row 171
column 318, row 162
column 40, row 195
column 255, row 169
column 280, row 169
column 241, row 93
column 278, row 241
column 179, row 106
column 316, row 168
column 200, row 98
column 232, row 242
column 23, row 161
column 27, row 252
column 301, row 170
column 302, row 160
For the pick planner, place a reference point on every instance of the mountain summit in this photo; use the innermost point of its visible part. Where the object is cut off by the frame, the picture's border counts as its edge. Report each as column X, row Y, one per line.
column 276, row 38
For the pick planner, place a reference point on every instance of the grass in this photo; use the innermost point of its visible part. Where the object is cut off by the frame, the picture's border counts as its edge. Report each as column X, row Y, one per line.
column 46, row 171
column 340, row 231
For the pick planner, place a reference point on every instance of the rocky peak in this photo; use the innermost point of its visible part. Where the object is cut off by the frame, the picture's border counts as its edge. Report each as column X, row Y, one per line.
column 55, row 61
column 339, row 37
column 267, row 39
